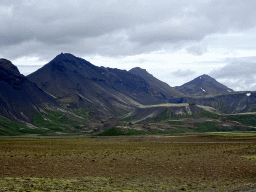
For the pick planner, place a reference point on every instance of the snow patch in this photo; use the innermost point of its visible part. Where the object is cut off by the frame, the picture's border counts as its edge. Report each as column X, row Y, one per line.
column 248, row 94
column 200, row 77
column 203, row 89
column 229, row 90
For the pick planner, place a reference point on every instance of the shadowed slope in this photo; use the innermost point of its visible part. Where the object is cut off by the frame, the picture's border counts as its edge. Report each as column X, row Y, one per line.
column 20, row 98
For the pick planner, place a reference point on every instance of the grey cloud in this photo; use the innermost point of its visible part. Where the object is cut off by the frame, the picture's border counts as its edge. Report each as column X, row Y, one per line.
column 239, row 74
column 235, row 70
column 196, row 50
column 27, row 69
column 183, row 72
column 115, row 28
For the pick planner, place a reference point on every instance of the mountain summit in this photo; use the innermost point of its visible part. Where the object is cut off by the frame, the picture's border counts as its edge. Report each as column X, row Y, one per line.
column 20, row 98
column 203, row 85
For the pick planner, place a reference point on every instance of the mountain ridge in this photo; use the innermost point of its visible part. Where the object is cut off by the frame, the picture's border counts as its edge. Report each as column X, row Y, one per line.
column 156, row 83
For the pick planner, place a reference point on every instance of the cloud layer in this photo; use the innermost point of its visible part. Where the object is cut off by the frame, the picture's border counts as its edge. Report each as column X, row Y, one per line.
column 239, row 73
column 114, row 28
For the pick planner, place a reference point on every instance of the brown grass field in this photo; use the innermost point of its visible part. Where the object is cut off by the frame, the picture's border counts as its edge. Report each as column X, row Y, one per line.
column 207, row 162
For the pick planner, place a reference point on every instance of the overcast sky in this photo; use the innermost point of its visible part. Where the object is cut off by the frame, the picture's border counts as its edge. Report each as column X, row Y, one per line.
column 175, row 40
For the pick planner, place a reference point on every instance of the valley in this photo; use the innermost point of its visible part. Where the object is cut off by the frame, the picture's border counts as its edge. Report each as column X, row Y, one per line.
column 73, row 126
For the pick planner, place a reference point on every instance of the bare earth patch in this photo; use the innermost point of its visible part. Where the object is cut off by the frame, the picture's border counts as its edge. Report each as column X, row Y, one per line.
column 143, row 163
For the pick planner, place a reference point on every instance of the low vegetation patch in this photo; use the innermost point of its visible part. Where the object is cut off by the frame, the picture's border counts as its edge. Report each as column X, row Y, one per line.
column 232, row 135
column 82, row 112
column 55, row 121
column 208, row 126
column 252, row 157
column 114, row 131
column 175, row 122
column 209, row 115
column 144, row 163
column 11, row 128
column 249, row 120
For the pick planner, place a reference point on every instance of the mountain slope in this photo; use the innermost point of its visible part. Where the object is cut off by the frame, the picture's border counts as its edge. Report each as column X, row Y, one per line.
column 20, row 98
column 163, row 88
column 229, row 103
column 203, row 85
column 78, row 83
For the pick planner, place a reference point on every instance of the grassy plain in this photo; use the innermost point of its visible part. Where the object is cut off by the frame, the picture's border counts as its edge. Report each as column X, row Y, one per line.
column 188, row 162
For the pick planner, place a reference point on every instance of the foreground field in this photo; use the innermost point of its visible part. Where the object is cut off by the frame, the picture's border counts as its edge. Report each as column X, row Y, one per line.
column 210, row 162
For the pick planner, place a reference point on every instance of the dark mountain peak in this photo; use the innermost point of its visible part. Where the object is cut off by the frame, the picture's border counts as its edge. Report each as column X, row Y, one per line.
column 65, row 56
column 10, row 74
column 206, row 77
column 68, row 62
column 141, row 72
column 202, row 79
column 203, row 85
column 19, row 98
column 138, row 69
column 8, row 66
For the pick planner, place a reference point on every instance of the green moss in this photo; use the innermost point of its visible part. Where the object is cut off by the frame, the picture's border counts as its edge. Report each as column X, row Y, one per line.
column 54, row 121
column 175, row 122
column 209, row 114
column 249, row 120
column 208, row 126
column 10, row 128
column 82, row 112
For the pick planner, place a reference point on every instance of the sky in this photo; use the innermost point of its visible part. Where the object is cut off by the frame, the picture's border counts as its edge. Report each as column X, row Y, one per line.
column 174, row 40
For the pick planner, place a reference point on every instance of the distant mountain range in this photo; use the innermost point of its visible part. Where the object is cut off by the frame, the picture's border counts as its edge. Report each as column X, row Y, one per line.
column 70, row 82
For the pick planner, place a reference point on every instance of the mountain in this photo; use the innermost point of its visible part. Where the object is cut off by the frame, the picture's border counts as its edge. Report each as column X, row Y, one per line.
column 20, row 98
column 77, row 83
column 163, row 88
column 203, row 85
